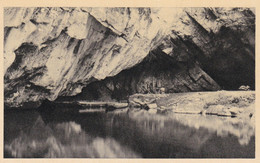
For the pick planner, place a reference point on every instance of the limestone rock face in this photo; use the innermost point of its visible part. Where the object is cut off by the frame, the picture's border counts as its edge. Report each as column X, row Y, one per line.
column 51, row 52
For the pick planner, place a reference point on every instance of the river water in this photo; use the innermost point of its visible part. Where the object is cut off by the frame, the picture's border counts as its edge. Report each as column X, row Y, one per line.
column 121, row 134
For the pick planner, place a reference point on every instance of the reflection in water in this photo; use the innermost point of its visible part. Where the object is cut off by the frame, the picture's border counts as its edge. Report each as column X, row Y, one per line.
column 65, row 139
column 126, row 135
column 243, row 129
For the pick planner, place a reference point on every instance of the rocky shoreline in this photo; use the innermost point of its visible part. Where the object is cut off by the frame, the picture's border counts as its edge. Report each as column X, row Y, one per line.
column 221, row 103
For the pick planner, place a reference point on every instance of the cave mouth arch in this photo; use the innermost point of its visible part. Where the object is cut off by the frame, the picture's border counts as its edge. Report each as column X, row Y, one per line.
column 230, row 64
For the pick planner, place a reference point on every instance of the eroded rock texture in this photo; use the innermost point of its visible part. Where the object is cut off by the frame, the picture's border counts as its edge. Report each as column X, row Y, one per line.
column 52, row 52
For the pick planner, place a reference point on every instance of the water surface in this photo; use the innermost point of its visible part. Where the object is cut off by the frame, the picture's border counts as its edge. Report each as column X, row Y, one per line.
column 134, row 134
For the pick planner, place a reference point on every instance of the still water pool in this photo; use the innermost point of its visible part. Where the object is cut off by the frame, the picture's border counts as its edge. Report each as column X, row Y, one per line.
column 121, row 134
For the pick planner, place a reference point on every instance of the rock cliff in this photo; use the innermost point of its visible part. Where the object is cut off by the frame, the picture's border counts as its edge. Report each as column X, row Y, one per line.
column 52, row 52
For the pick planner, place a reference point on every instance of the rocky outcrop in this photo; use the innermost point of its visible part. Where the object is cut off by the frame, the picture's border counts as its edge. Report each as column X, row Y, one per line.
column 52, row 52
column 222, row 103
column 55, row 51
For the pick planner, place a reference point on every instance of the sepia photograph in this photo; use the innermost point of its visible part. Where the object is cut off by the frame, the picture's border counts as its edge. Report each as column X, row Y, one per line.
column 129, row 82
